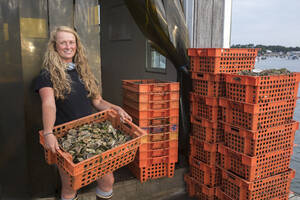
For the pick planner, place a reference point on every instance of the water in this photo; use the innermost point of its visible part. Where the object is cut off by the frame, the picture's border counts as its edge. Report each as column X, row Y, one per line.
column 292, row 65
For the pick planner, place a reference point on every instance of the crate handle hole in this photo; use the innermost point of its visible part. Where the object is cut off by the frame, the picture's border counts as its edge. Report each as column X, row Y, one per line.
column 235, row 129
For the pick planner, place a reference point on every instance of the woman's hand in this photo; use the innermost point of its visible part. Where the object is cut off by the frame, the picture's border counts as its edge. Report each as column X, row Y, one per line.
column 51, row 143
column 100, row 104
column 124, row 115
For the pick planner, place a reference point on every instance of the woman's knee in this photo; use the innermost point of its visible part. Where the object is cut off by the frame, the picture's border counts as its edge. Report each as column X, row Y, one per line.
column 107, row 180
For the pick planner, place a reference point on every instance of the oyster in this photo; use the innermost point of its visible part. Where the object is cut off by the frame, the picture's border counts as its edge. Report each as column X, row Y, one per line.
column 91, row 139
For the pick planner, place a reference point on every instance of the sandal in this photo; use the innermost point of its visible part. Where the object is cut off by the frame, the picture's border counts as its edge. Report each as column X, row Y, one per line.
column 99, row 197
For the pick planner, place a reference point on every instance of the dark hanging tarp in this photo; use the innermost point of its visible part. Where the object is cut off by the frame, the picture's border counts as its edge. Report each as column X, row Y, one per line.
column 163, row 23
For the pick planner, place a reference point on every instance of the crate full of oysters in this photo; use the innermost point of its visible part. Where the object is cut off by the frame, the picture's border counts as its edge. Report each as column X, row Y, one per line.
column 93, row 146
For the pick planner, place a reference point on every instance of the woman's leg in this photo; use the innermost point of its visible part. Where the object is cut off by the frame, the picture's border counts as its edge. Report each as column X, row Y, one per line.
column 67, row 192
column 105, row 185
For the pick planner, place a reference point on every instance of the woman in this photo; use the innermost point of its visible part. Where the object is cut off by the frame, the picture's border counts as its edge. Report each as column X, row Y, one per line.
column 68, row 91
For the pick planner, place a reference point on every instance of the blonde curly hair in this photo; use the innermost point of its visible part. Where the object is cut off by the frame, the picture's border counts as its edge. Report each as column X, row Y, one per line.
column 57, row 68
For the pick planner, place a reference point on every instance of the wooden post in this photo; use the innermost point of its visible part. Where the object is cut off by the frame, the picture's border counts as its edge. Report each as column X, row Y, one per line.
column 209, row 23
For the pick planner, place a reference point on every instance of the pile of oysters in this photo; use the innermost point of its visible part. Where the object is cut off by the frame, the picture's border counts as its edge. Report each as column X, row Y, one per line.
column 91, row 139
column 267, row 72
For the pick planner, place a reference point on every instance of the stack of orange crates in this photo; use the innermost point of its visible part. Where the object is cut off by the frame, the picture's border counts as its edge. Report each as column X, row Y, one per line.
column 208, row 66
column 154, row 106
column 257, row 114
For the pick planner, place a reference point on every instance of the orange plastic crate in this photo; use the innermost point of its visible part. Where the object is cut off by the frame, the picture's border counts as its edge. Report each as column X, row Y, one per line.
column 151, row 114
column 274, row 187
column 210, row 101
column 154, row 171
column 64, row 160
column 262, row 89
column 159, row 137
column 155, row 121
column 203, row 151
column 254, row 143
column 204, row 107
column 158, row 145
column 91, row 175
column 207, row 131
column 149, row 161
column 151, row 105
column 221, row 60
column 204, row 174
column 150, row 85
column 161, row 128
column 207, row 84
column 156, row 152
column 220, row 195
column 257, row 116
column 256, row 167
column 200, row 191
column 150, row 97
column 172, row 153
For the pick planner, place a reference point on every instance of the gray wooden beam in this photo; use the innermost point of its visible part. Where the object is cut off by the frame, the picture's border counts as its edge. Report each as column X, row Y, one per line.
column 188, row 6
column 210, row 24
column 217, row 23
column 203, row 23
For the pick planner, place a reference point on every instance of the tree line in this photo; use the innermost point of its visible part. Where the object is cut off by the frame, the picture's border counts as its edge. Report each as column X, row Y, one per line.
column 264, row 48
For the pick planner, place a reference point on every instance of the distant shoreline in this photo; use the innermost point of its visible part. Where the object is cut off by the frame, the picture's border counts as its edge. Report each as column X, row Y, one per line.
column 265, row 48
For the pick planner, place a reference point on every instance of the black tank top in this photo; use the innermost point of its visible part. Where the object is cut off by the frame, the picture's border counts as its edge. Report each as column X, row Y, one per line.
column 75, row 105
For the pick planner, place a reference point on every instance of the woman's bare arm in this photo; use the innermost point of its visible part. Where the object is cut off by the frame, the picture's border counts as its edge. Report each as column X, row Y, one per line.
column 49, row 116
column 100, row 104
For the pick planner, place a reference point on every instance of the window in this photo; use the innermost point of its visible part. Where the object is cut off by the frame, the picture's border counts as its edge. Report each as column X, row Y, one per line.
column 155, row 61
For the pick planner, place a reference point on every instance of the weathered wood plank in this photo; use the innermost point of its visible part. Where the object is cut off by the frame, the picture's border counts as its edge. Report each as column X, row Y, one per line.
column 209, row 28
column 203, row 24
column 218, row 23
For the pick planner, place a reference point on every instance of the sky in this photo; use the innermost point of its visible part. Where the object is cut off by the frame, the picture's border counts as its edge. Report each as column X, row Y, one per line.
column 267, row 22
